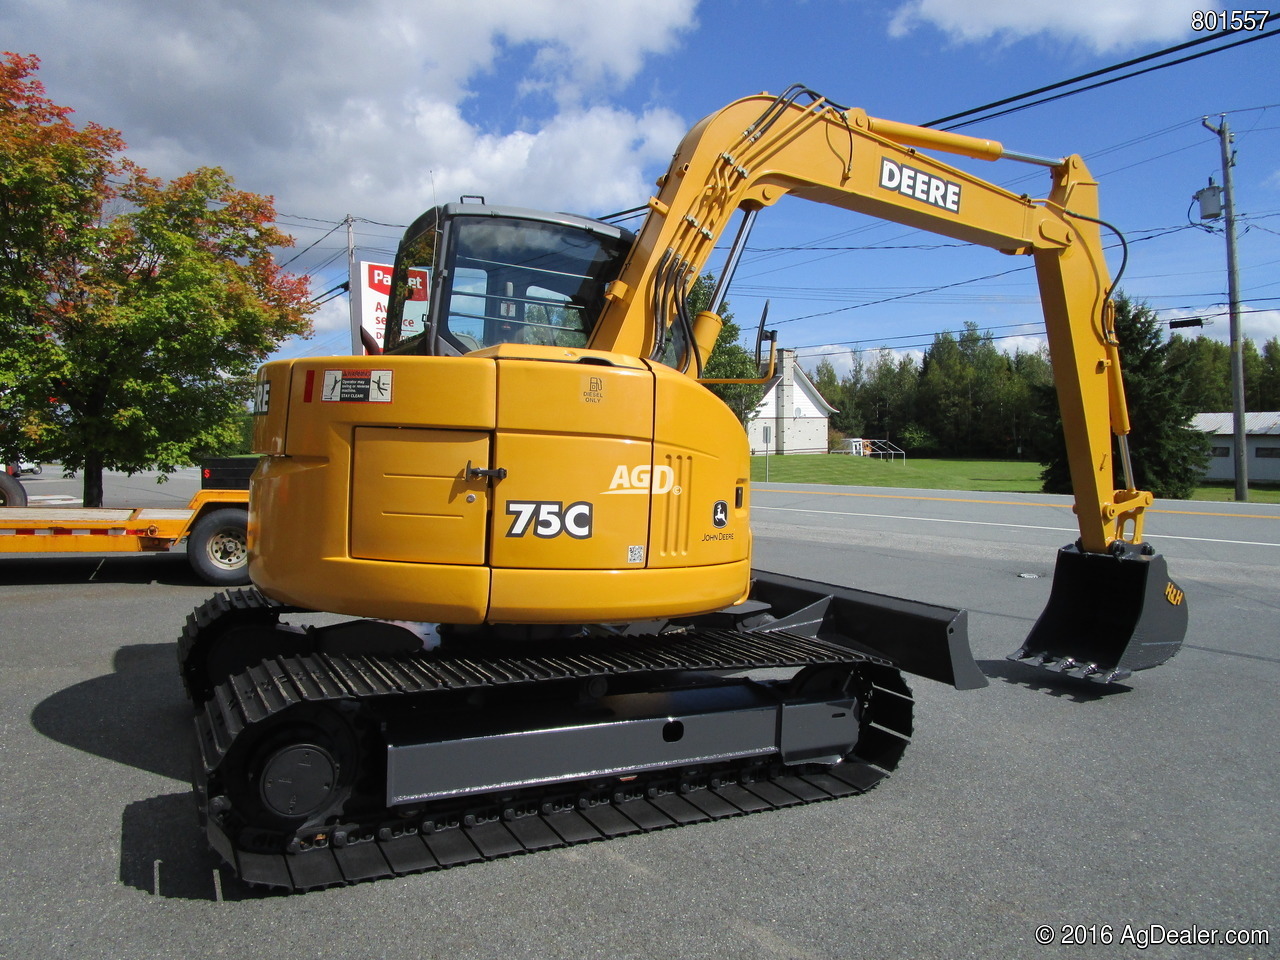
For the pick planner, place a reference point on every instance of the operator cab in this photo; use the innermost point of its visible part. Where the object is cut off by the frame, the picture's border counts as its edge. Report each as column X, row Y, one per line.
column 470, row 276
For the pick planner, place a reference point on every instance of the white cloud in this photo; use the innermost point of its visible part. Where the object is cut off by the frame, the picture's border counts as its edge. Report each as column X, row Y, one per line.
column 1256, row 323
column 339, row 108
column 840, row 358
column 589, row 160
column 1102, row 25
column 333, row 316
column 1021, row 344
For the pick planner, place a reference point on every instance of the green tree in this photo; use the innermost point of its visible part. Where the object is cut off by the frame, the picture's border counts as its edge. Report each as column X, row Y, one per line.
column 728, row 359
column 886, row 395
column 971, row 396
column 1208, row 371
column 53, row 176
column 1251, row 361
column 1169, row 455
column 1031, row 373
column 826, row 381
column 841, row 394
column 132, row 340
column 1269, row 376
column 946, row 395
column 994, row 392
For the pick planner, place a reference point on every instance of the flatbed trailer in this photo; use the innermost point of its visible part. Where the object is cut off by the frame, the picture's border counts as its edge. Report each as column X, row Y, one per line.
column 213, row 524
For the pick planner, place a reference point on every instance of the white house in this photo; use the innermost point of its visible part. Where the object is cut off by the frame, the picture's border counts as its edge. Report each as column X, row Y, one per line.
column 1262, row 445
column 792, row 417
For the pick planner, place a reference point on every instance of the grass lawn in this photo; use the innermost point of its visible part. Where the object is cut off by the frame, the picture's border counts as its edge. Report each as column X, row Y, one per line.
column 996, row 476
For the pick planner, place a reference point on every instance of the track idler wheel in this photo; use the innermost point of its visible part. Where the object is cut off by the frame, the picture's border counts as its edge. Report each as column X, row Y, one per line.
column 293, row 778
column 880, row 706
column 298, row 780
column 229, row 633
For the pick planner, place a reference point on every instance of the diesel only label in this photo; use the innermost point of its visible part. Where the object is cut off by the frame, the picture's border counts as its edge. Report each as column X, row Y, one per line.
column 911, row 182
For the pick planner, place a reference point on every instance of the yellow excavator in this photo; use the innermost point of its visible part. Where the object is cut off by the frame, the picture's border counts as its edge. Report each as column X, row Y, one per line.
column 539, row 517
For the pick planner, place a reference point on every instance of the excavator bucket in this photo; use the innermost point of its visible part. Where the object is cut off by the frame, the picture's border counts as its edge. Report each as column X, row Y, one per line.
column 1108, row 615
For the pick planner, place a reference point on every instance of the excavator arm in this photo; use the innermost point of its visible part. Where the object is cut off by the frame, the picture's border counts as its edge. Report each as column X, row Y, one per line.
column 1113, row 608
column 755, row 151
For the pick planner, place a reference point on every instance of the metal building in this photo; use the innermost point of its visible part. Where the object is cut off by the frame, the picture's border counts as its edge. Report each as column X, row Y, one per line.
column 1262, row 445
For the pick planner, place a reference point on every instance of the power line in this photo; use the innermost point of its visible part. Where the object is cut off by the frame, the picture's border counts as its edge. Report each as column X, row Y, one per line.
column 1097, row 73
column 840, row 347
column 308, row 247
column 961, row 283
column 1063, row 83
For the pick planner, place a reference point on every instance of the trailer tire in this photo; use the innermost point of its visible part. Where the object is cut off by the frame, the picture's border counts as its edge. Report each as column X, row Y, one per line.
column 12, row 493
column 217, row 547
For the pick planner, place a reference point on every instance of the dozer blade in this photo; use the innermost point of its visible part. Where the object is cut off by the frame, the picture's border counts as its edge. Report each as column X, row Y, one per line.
column 1108, row 615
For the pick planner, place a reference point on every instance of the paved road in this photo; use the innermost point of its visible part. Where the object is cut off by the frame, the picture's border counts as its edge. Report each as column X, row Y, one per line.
column 1032, row 802
column 146, row 489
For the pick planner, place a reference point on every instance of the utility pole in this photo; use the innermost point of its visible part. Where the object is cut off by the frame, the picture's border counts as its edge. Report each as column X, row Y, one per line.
column 352, row 279
column 1223, row 133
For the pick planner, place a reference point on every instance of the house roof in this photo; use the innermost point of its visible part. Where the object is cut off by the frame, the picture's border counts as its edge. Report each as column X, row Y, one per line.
column 1223, row 424
column 807, row 385
column 801, row 380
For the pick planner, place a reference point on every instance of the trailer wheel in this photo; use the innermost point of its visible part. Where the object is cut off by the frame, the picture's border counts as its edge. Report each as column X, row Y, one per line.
column 218, row 549
column 12, row 493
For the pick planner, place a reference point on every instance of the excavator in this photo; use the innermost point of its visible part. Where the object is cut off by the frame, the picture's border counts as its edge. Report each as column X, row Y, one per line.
column 527, row 521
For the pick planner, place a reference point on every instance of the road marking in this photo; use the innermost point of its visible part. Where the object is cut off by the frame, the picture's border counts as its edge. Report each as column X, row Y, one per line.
column 890, row 516
column 52, row 498
column 1009, row 503
column 990, row 523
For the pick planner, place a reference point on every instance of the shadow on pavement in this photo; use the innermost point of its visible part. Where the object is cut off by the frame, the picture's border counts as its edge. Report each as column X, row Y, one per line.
column 138, row 715
column 166, row 568
column 163, row 852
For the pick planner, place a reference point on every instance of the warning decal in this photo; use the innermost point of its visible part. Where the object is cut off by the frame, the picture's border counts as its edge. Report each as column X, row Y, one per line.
column 357, row 386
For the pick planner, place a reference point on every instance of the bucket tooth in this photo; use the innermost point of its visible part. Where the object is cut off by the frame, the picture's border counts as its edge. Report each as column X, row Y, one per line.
column 1108, row 615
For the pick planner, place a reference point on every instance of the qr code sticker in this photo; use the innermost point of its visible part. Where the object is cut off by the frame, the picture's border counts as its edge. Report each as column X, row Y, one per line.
column 635, row 554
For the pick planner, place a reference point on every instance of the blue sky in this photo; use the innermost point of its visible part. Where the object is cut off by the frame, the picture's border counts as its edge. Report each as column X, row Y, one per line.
column 379, row 109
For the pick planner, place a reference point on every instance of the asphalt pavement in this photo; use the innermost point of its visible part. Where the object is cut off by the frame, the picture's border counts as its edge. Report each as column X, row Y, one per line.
column 1035, row 810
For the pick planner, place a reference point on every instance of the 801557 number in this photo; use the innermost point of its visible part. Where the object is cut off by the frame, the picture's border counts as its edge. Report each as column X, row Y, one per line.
column 1211, row 21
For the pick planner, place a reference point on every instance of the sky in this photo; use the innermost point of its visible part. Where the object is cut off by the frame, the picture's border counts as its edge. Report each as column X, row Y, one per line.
column 380, row 109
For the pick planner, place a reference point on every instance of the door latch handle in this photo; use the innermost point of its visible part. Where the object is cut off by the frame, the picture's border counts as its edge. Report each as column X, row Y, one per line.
column 475, row 473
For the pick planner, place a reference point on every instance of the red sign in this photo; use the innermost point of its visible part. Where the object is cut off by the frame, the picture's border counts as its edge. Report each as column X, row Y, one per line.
column 379, row 281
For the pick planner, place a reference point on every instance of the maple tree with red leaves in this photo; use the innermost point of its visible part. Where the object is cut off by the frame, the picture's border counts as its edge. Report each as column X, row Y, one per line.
column 133, row 312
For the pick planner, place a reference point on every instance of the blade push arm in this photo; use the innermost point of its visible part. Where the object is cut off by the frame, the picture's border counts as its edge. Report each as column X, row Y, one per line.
column 755, row 151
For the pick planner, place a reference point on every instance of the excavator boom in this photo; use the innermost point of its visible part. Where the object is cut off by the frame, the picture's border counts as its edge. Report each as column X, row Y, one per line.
column 757, row 150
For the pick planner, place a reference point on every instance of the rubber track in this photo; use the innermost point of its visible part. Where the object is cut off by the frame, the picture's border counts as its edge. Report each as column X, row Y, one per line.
column 205, row 624
column 481, row 831
column 374, row 856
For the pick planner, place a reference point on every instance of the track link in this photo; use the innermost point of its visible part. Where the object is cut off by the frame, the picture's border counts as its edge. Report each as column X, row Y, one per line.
column 463, row 830
column 484, row 833
column 223, row 635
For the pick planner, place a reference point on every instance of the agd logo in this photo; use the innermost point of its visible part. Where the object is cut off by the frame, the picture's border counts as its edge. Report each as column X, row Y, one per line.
column 643, row 479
